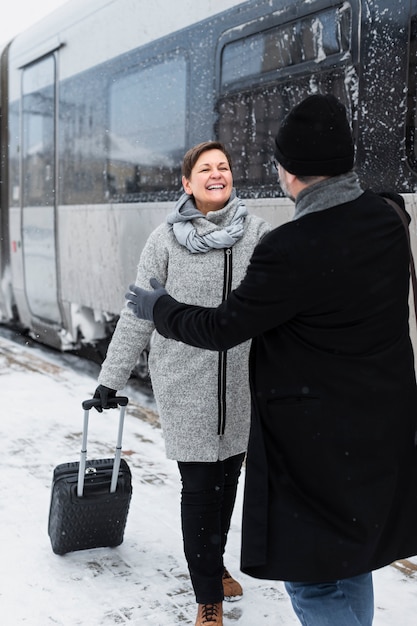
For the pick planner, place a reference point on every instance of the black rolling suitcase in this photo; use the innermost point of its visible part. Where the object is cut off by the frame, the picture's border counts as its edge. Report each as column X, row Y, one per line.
column 90, row 499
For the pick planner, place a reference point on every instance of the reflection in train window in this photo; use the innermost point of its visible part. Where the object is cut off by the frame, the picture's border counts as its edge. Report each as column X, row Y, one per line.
column 312, row 38
column 147, row 130
column 39, row 133
column 264, row 74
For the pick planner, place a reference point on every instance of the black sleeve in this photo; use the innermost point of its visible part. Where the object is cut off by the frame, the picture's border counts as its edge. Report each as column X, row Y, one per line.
column 265, row 299
column 212, row 329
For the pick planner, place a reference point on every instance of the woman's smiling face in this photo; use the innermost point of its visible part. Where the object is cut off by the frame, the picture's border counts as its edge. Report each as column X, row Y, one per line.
column 211, row 181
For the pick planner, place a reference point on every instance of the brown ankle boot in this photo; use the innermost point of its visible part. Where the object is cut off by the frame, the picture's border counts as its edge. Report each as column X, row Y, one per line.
column 231, row 588
column 210, row 615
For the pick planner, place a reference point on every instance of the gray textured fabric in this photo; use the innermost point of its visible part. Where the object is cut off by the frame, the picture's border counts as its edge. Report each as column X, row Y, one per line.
column 187, row 234
column 184, row 378
column 328, row 193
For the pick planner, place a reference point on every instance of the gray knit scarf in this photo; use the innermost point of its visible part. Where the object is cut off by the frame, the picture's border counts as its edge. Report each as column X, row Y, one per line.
column 328, row 193
column 185, row 231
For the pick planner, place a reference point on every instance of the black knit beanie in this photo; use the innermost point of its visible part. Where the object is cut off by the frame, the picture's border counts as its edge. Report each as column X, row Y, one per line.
column 315, row 138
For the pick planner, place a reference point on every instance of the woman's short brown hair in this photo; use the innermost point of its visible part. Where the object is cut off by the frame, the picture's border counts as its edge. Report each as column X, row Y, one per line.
column 193, row 154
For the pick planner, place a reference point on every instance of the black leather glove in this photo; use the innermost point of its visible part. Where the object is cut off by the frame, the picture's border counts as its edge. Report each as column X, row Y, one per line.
column 104, row 394
column 142, row 302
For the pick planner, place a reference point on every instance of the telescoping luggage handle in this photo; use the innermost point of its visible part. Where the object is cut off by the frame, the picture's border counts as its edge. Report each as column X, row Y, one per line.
column 87, row 405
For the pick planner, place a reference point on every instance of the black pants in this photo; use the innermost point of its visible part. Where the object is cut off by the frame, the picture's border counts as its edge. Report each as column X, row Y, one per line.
column 207, row 500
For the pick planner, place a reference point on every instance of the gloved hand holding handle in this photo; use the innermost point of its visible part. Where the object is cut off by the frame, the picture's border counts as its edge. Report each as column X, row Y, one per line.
column 104, row 394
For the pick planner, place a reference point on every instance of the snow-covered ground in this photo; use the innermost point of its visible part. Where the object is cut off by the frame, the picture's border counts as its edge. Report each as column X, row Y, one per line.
column 145, row 580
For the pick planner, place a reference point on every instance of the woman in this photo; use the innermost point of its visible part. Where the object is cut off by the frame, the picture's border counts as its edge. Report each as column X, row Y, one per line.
column 199, row 254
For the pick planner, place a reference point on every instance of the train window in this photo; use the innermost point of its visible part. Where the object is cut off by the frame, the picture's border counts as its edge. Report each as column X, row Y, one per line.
column 264, row 74
column 39, row 133
column 312, row 38
column 147, row 131
column 249, row 120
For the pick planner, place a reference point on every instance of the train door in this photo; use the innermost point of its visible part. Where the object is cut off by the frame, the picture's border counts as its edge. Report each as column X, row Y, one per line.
column 39, row 188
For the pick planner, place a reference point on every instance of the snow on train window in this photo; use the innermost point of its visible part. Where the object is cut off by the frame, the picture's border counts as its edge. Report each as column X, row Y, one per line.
column 264, row 74
column 147, row 130
column 312, row 38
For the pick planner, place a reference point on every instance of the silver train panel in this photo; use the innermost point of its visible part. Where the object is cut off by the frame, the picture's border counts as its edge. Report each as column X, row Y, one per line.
column 101, row 99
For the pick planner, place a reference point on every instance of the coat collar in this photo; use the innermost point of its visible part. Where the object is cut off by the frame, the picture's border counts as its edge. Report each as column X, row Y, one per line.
column 328, row 193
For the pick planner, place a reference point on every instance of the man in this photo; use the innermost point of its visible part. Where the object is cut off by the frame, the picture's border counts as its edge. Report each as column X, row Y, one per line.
column 331, row 478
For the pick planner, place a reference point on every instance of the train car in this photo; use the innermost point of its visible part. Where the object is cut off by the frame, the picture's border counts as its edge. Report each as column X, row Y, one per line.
column 101, row 99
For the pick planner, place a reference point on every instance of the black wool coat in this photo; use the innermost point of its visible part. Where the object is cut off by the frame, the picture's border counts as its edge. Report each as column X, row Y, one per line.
column 331, row 476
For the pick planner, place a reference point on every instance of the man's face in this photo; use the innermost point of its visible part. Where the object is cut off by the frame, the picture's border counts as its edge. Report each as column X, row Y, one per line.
column 282, row 180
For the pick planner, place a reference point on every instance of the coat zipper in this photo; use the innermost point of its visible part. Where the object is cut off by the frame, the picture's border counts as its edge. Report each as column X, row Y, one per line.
column 227, row 287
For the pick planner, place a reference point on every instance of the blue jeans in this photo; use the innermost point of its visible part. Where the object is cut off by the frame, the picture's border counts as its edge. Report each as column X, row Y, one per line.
column 345, row 602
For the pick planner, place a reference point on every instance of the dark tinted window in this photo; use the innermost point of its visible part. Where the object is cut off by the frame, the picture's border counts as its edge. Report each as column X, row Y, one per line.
column 123, row 131
column 147, row 129
column 264, row 74
column 83, row 127
column 39, row 133
column 312, row 38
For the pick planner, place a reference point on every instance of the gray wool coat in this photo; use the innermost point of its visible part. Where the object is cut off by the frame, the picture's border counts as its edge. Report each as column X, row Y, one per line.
column 204, row 411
